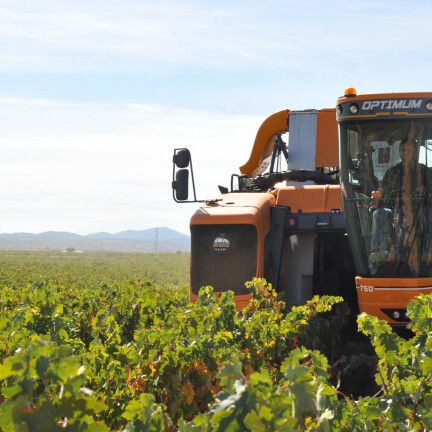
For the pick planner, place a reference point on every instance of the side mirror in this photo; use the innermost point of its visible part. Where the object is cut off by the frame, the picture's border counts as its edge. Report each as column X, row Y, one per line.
column 182, row 158
column 181, row 185
column 182, row 164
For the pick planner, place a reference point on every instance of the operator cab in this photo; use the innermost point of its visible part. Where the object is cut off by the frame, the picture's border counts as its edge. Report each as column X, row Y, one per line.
column 386, row 177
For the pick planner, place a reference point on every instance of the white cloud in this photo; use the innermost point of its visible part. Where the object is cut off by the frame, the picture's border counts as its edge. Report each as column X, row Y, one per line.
column 76, row 36
column 89, row 167
column 60, row 35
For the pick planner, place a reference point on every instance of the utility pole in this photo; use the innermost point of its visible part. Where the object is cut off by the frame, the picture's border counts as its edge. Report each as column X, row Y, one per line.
column 156, row 240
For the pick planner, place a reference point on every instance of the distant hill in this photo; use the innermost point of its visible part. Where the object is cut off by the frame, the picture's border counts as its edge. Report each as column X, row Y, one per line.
column 160, row 239
column 162, row 233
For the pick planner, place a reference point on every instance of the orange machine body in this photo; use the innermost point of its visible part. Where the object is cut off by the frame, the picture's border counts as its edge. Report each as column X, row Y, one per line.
column 310, row 198
column 376, row 294
column 279, row 219
column 254, row 209
column 237, row 209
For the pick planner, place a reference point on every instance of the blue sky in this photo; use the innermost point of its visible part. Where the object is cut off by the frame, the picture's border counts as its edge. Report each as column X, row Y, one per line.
column 95, row 95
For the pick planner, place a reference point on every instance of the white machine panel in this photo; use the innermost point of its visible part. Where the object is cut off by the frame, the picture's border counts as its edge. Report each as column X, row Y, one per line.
column 302, row 139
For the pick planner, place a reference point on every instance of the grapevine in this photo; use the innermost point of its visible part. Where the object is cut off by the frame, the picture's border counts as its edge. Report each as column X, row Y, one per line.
column 116, row 345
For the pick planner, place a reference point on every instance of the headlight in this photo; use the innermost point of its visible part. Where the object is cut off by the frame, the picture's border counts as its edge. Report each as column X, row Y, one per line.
column 353, row 108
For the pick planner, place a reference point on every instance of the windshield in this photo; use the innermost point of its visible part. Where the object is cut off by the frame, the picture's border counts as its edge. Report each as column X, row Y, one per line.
column 386, row 177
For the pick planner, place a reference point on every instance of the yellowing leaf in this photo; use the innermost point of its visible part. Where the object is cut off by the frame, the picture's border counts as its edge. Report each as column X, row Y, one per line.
column 188, row 391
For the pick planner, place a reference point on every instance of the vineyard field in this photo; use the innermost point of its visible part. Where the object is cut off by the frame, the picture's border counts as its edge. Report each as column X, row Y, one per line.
column 99, row 342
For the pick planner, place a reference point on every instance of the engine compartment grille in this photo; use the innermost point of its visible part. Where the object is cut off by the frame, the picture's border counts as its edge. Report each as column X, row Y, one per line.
column 223, row 256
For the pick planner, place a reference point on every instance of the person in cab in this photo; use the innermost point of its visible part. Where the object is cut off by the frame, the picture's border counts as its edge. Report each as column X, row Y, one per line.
column 403, row 213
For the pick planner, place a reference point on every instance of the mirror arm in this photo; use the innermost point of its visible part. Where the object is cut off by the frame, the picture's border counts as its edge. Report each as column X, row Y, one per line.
column 193, row 181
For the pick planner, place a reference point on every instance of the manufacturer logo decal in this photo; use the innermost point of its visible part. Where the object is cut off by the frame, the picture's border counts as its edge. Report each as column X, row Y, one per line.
column 221, row 244
column 392, row 104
